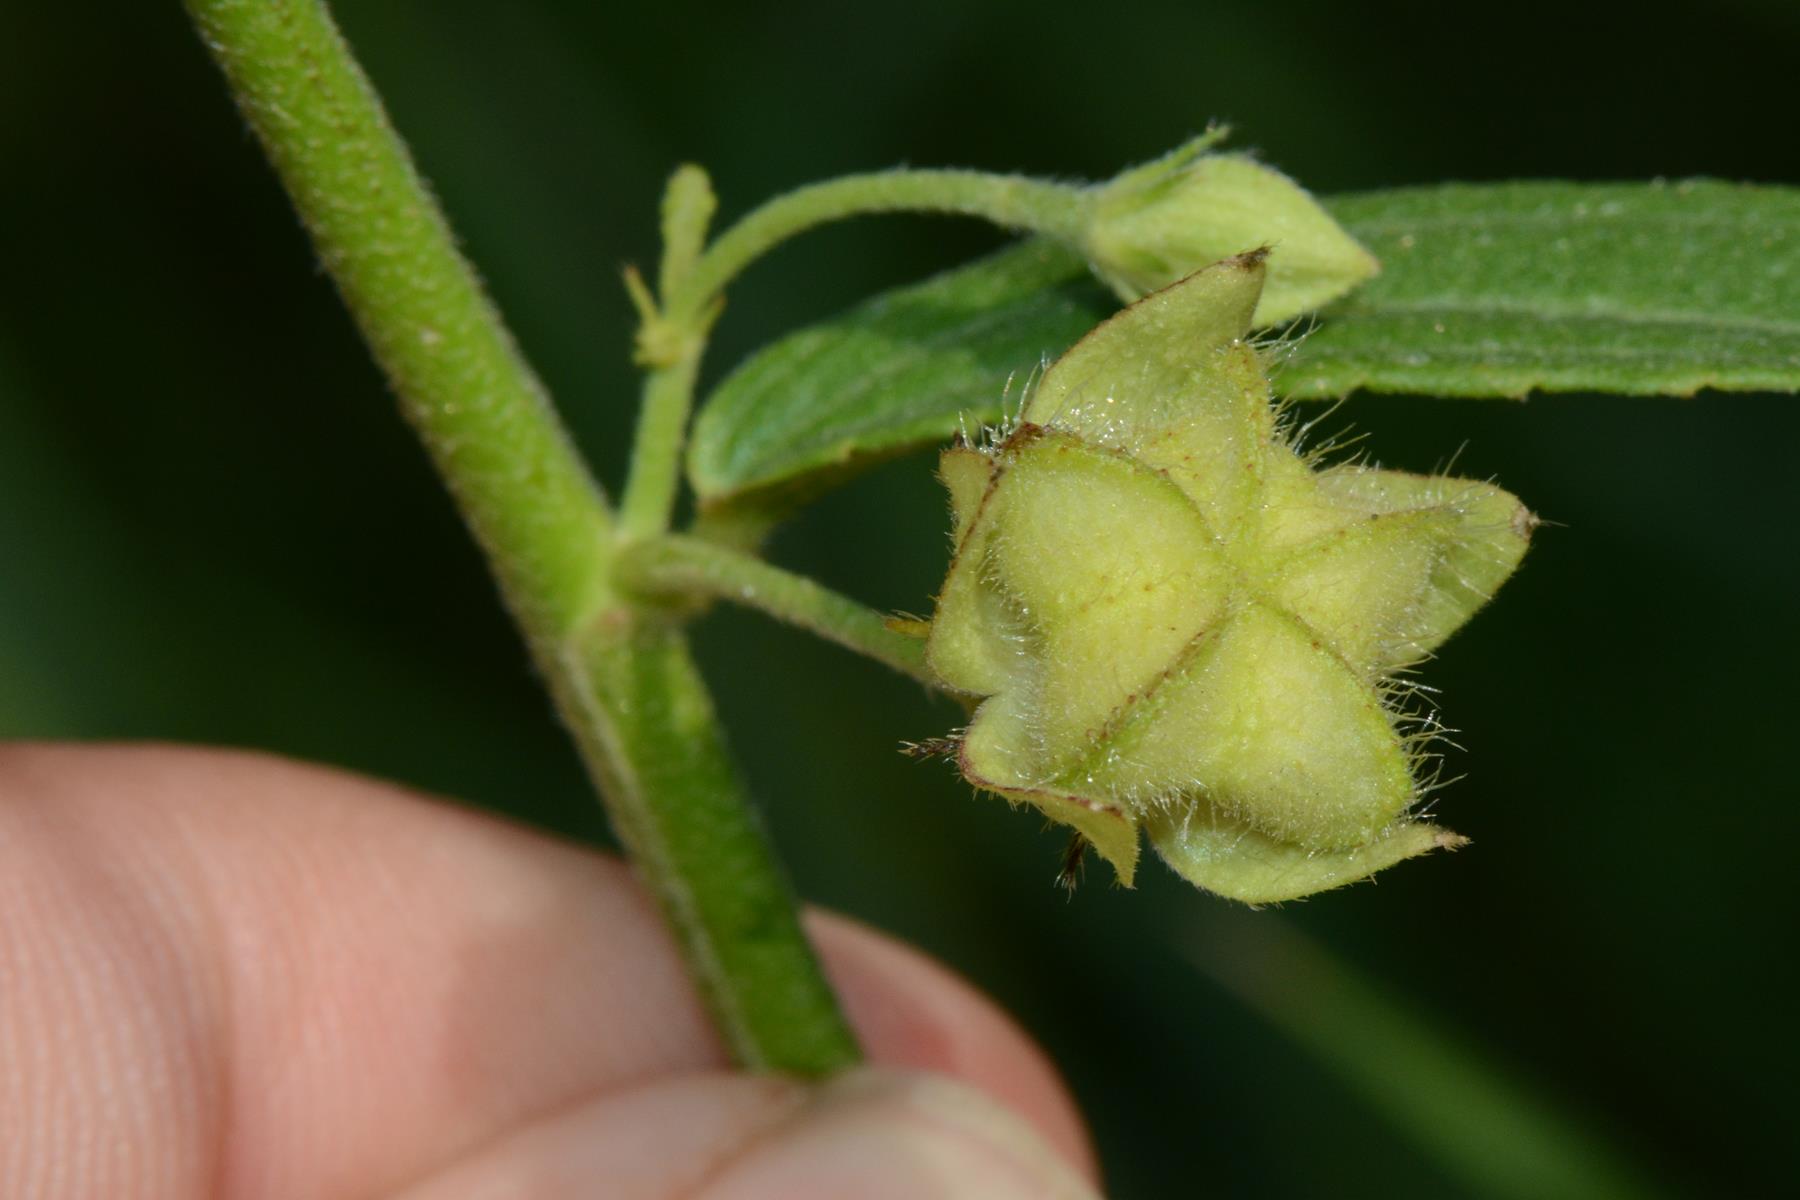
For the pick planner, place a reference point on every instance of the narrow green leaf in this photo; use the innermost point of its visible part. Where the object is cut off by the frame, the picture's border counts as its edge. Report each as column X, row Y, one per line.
column 1502, row 289
column 1494, row 1134
column 903, row 368
column 1485, row 290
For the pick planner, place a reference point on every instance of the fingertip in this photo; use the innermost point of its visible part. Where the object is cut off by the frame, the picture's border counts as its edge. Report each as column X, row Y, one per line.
column 894, row 1135
column 660, row 1139
column 872, row 1133
column 914, row 1013
column 464, row 964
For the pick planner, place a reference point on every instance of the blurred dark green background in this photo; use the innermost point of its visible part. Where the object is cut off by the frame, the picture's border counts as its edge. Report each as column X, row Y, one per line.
column 213, row 527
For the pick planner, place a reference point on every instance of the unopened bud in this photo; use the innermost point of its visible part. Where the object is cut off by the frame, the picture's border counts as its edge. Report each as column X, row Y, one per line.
column 1165, row 220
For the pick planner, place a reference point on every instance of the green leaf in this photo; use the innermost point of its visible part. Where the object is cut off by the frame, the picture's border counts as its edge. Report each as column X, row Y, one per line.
column 1486, row 290
column 903, row 368
column 1492, row 1132
column 1502, row 289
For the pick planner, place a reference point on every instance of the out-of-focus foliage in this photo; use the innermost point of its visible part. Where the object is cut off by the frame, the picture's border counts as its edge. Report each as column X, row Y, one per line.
column 1492, row 1132
column 213, row 525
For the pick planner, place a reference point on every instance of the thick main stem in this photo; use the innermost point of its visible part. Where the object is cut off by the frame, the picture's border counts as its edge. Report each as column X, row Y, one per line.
column 460, row 379
column 621, row 679
column 643, row 713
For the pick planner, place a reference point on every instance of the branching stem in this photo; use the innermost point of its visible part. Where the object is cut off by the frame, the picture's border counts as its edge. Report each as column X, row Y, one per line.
column 678, row 566
column 1012, row 201
column 620, row 674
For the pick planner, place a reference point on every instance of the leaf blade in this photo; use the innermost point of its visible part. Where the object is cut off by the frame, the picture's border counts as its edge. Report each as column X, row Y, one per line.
column 1493, row 1131
column 1502, row 289
column 894, row 371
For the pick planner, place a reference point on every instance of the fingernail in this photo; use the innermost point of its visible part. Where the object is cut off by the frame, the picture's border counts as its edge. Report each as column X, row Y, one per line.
column 886, row 1135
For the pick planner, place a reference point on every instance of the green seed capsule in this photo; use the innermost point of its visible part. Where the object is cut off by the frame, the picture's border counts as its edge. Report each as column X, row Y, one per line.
column 1175, row 622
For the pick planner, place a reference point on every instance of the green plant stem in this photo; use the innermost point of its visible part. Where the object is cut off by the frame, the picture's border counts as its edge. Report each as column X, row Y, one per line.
column 1055, row 209
column 1012, row 201
column 644, row 717
column 621, row 678
column 679, row 566
column 461, row 382
column 655, row 477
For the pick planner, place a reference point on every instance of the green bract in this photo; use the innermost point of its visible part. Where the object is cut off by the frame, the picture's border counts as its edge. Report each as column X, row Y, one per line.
column 1159, row 222
column 1177, row 623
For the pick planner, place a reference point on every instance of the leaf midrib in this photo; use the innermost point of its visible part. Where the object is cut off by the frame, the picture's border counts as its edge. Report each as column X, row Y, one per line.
column 1542, row 311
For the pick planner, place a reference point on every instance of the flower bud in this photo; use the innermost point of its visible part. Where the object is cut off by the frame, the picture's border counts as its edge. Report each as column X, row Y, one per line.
column 1162, row 221
column 1174, row 621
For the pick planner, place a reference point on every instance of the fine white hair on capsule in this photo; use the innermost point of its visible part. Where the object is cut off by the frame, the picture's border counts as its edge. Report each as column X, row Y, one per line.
column 1329, row 449
column 1443, row 467
column 1013, row 404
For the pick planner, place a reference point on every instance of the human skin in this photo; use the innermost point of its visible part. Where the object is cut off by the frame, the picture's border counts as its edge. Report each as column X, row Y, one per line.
column 227, row 975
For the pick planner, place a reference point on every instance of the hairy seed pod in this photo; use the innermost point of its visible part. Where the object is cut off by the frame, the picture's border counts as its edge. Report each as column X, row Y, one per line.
column 1174, row 622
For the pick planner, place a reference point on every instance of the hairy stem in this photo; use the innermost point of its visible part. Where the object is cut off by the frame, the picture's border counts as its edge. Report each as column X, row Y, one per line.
column 461, row 381
column 1013, row 201
column 687, row 566
column 655, row 479
column 644, row 718
column 621, row 677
